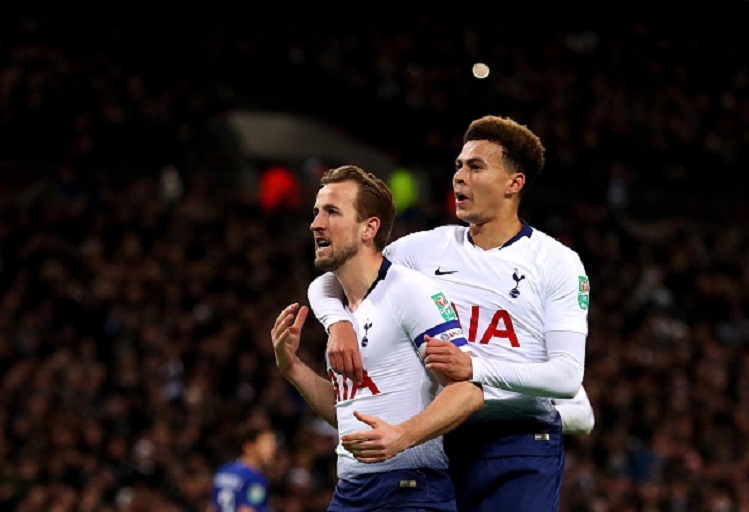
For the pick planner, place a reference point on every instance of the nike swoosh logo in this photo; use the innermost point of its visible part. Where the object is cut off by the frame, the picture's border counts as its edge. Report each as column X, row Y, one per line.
column 439, row 272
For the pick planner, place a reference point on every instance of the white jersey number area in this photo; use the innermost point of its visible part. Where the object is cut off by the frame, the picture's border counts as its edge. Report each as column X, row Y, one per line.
column 507, row 298
column 391, row 323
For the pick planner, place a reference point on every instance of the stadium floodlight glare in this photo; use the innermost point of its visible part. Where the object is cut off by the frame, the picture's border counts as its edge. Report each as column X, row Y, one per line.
column 480, row 70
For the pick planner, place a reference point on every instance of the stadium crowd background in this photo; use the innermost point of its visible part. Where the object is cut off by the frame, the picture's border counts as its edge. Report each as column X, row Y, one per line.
column 140, row 272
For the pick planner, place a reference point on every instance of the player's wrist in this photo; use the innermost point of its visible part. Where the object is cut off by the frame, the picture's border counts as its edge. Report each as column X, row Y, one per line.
column 405, row 438
column 287, row 367
column 338, row 324
column 475, row 370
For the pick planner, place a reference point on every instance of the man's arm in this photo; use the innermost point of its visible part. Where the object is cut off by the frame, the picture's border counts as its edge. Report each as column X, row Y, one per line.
column 317, row 391
column 577, row 413
column 324, row 295
column 420, row 307
column 558, row 377
column 449, row 409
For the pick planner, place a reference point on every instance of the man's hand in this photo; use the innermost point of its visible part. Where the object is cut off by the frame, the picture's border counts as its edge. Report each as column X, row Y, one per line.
column 381, row 443
column 343, row 351
column 444, row 358
column 285, row 334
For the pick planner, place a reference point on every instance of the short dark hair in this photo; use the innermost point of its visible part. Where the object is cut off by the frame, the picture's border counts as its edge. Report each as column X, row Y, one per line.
column 373, row 199
column 250, row 432
column 523, row 150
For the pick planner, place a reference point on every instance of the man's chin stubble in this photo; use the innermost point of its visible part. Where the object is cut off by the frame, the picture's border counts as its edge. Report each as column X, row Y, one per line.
column 336, row 261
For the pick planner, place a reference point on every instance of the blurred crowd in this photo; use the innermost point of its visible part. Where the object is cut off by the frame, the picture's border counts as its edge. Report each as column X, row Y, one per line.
column 140, row 274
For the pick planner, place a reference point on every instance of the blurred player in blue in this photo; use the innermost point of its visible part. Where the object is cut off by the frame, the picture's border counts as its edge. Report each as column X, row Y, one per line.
column 394, row 310
column 522, row 298
column 240, row 485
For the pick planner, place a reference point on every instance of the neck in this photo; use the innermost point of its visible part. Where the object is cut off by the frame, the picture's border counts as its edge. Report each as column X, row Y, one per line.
column 251, row 461
column 357, row 275
column 496, row 232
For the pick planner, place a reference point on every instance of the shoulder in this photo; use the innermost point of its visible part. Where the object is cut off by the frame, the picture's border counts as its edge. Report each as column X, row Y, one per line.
column 552, row 248
column 432, row 235
column 406, row 287
column 415, row 300
column 400, row 275
column 559, row 264
column 230, row 473
column 227, row 467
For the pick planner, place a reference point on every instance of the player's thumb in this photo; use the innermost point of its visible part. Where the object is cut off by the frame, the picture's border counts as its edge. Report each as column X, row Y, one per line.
column 372, row 421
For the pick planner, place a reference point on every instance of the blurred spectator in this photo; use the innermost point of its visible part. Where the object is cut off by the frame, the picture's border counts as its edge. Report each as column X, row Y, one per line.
column 241, row 484
column 138, row 274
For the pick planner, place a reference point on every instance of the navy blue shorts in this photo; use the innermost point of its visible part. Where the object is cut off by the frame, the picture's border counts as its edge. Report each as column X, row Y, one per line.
column 403, row 489
column 518, row 472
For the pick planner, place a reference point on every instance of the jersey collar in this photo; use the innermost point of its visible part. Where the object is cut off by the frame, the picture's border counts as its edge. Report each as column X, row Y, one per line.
column 384, row 267
column 525, row 231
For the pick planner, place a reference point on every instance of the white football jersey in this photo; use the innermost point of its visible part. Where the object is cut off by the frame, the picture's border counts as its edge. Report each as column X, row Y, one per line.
column 401, row 307
column 506, row 298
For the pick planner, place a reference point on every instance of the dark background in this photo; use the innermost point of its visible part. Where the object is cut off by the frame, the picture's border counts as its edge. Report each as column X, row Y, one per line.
column 134, row 323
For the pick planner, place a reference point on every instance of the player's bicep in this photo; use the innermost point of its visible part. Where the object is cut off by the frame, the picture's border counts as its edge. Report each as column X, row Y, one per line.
column 446, row 331
column 424, row 311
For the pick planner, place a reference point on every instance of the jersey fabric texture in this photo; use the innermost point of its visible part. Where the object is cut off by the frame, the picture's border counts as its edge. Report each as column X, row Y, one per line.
column 506, row 299
column 236, row 484
column 401, row 307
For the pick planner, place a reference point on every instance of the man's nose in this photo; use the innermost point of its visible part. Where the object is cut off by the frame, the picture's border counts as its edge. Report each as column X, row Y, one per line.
column 458, row 177
column 316, row 225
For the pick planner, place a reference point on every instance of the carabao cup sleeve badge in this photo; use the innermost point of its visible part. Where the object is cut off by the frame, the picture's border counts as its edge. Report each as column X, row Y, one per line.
column 583, row 292
column 445, row 308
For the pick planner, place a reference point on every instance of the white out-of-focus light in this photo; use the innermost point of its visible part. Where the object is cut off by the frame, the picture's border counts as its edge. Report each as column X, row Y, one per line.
column 480, row 70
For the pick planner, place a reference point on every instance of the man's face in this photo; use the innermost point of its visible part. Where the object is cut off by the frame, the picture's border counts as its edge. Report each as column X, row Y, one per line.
column 480, row 182
column 265, row 447
column 335, row 228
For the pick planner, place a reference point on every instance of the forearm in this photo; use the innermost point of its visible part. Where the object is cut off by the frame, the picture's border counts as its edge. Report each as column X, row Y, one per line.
column 576, row 418
column 316, row 391
column 577, row 414
column 324, row 295
column 558, row 378
column 450, row 408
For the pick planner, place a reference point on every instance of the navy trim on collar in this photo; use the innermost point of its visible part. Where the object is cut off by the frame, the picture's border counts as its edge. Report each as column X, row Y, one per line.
column 525, row 230
column 384, row 267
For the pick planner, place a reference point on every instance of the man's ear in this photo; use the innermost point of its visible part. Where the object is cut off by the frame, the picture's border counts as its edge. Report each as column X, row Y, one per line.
column 371, row 227
column 517, row 184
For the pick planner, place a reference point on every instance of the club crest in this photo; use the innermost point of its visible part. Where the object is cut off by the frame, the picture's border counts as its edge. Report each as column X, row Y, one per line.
column 515, row 291
column 365, row 340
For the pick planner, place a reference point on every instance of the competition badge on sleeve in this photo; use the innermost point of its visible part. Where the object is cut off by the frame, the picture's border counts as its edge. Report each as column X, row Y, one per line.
column 446, row 310
column 583, row 292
